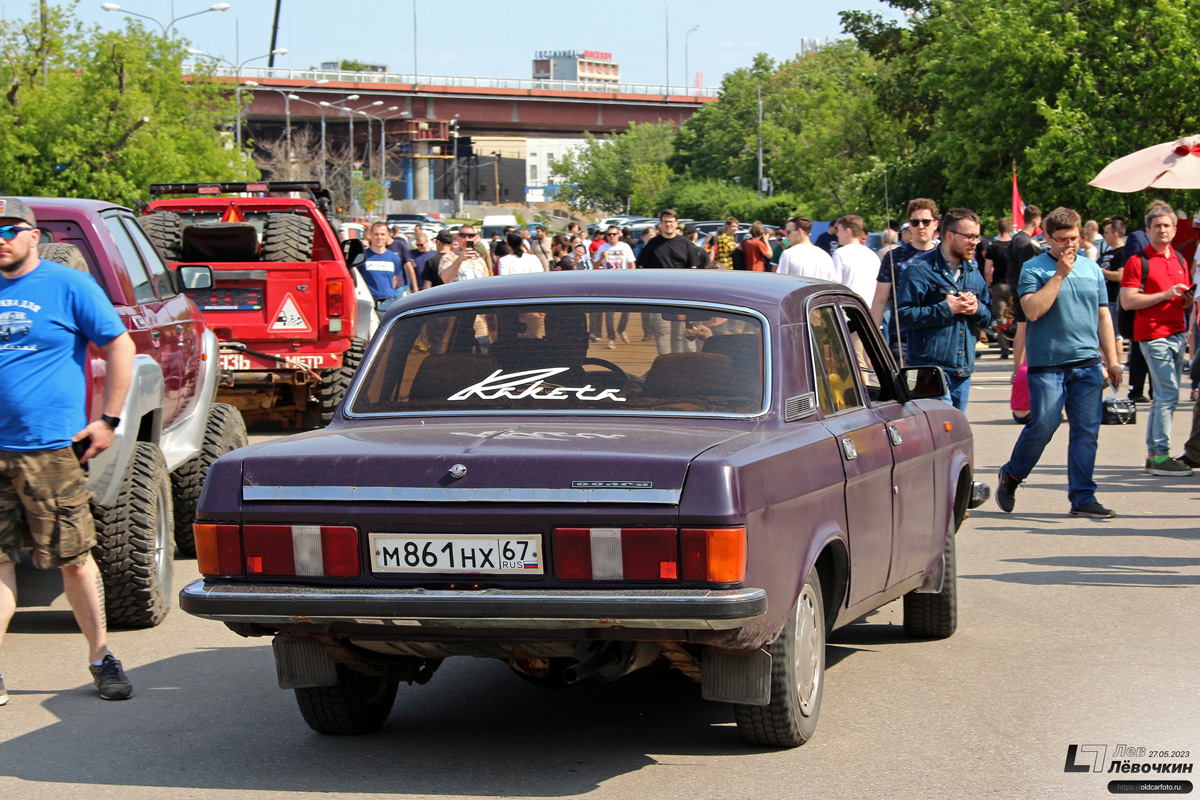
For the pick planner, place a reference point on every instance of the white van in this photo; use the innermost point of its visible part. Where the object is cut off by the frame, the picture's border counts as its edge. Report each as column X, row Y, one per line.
column 496, row 223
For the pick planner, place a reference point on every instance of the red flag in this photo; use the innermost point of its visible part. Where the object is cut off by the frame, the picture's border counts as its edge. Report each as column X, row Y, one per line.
column 1018, row 208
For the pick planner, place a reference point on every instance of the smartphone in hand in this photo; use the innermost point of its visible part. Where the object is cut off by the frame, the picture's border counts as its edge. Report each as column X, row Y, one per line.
column 81, row 447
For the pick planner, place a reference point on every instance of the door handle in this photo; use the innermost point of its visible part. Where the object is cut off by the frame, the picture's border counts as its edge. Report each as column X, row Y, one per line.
column 894, row 435
column 849, row 449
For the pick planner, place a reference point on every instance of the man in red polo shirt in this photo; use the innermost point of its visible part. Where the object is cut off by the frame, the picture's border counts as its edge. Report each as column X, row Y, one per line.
column 1156, row 284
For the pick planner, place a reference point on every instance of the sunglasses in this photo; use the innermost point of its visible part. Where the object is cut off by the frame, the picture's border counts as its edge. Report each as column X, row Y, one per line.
column 921, row 223
column 469, row 235
column 10, row 232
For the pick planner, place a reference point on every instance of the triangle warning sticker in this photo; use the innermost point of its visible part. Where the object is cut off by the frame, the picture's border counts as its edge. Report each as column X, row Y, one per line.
column 288, row 317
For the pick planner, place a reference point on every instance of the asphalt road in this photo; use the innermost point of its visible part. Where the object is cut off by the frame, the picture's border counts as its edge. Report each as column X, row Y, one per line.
column 1071, row 632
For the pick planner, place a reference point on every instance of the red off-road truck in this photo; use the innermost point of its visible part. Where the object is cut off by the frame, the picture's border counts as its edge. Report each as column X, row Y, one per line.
column 283, row 304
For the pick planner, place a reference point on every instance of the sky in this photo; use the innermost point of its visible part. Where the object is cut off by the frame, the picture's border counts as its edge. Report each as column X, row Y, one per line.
column 473, row 37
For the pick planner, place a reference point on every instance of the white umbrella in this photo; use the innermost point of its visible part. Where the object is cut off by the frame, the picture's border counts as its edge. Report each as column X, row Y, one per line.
column 1170, row 165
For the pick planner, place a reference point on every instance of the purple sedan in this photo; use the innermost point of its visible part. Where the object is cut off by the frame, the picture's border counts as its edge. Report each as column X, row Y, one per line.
column 581, row 473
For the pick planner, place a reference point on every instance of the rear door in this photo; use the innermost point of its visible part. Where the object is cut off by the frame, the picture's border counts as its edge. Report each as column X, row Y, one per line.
column 864, row 448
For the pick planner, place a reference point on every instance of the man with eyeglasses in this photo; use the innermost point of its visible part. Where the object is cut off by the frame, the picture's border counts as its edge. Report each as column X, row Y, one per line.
column 1068, row 336
column 943, row 302
column 43, row 417
column 922, row 238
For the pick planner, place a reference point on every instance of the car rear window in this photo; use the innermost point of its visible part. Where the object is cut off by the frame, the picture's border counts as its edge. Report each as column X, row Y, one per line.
column 559, row 357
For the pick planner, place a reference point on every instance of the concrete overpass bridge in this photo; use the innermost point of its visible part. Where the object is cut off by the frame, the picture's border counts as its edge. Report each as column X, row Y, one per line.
column 429, row 111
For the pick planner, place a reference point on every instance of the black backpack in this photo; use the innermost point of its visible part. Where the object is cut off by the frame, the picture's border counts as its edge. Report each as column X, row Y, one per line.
column 739, row 258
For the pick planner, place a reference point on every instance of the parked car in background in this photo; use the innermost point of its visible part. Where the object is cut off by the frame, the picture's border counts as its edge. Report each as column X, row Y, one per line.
column 495, row 485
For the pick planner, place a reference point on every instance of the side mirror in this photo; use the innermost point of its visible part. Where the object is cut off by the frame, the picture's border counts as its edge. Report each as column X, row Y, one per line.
column 354, row 252
column 924, row 382
column 196, row 276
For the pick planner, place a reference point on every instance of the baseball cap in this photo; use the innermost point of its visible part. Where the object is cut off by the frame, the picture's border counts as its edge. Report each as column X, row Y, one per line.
column 688, row 230
column 445, row 236
column 13, row 208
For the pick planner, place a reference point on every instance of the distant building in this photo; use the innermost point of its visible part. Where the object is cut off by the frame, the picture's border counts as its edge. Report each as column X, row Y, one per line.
column 585, row 66
column 540, row 182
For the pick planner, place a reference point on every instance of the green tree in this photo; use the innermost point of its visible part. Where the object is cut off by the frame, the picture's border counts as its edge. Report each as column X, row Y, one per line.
column 103, row 114
column 599, row 176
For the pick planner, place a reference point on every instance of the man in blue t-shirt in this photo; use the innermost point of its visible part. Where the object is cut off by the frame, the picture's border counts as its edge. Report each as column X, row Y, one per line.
column 49, row 313
column 1068, row 335
column 383, row 270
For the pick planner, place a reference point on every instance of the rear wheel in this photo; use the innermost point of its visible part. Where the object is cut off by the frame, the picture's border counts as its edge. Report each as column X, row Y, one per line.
column 166, row 231
column 356, row 704
column 797, row 677
column 935, row 616
column 225, row 432
column 134, row 547
column 287, row 237
column 335, row 382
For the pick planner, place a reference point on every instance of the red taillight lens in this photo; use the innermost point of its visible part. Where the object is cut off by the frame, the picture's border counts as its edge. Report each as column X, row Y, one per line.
column 631, row 554
column 218, row 549
column 329, row 551
column 714, row 555
column 335, row 297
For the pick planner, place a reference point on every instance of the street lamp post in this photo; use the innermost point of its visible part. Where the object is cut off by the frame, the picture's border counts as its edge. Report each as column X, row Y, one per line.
column 287, row 109
column 454, row 122
column 168, row 29
column 237, row 76
column 370, row 137
column 382, row 137
column 338, row 105
column 687, row 76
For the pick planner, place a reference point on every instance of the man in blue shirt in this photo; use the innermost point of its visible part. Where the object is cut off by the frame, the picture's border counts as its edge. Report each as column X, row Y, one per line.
column 52, row 313
column 942, row 301
column 1068, row 334
column 383, row 270
column 922, row 227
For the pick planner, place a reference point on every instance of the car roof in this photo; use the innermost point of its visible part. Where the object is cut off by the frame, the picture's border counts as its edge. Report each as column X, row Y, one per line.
column 778, row 297
column 49, row 206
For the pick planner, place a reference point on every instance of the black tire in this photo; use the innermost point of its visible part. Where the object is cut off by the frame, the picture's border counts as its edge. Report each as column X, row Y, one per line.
column 133, row 544
column 166, row 231
column 63, row 253
column 287, row 237
column 226, row 431
column 335, row 382
column 797, row 677
column 934, row 616
column 356, row 704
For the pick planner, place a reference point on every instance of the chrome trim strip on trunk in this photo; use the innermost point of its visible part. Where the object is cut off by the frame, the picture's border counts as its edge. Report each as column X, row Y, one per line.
column 437, row 494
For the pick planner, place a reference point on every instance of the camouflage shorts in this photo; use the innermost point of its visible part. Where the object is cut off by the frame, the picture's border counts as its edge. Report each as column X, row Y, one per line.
column 45, row 493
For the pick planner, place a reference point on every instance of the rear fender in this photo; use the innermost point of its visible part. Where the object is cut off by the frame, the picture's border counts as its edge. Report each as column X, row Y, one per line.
column 141, row 420
column 183, row 440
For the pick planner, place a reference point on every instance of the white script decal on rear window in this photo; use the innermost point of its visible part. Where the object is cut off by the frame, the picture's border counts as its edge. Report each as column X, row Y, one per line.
column 528, row 385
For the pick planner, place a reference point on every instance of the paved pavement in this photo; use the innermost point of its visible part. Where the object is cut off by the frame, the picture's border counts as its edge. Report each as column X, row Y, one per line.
column 1072, row 632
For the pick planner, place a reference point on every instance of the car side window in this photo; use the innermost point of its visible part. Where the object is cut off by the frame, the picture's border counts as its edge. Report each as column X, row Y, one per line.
column 836, row 389
column 874, row 371
column 143, row 289
column 150, row 256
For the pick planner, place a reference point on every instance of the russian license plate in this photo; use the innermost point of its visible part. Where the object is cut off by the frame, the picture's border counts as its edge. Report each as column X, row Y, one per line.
column 480, row 554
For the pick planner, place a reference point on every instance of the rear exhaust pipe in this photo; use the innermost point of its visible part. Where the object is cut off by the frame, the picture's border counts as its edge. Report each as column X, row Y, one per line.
column 610, row 660
column 606, row 657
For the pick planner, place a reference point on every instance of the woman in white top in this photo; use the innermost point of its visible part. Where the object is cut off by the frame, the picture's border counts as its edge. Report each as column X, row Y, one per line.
column 519, row 260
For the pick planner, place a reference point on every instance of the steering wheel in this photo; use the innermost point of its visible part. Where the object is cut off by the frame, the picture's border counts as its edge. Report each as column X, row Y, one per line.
column 608, row 365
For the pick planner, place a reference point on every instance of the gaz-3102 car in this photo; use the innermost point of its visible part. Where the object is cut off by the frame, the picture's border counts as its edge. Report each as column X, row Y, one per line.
column 743, row 472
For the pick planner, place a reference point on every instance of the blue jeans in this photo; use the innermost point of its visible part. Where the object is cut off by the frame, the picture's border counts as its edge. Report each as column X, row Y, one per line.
column 1081, row 392
column 957, row 387
column 1164, row 360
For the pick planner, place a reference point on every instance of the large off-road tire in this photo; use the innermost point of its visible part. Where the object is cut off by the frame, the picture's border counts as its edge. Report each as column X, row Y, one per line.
column 287, row 237
column 63, row 253
column 797, row 677
column 226, row 431
column 934, row 616
column 356, row 704
column 166, row 231
column 335, row 381
column 134, row 547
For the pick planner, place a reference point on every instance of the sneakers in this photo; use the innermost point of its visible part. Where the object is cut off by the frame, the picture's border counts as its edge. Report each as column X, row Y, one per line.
column 110, row 679
column 1165, row 465
column 3, row 692
column 1006, row 491
column 1138, row 397
column 1093, row 510
column 625, row 339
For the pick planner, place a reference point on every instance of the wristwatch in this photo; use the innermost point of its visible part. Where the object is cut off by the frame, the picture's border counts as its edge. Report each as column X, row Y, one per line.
column 113, row 422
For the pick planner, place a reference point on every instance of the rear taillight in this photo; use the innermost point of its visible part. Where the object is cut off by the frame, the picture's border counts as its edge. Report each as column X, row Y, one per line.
column 615, row 554
column 218, row 549
column 329, row 551
column 335, row 305
column 714, row 555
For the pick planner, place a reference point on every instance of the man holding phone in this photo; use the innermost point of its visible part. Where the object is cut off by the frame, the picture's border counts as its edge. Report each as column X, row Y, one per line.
column 1069, row 347
column 1155, row 284
column 42, row 414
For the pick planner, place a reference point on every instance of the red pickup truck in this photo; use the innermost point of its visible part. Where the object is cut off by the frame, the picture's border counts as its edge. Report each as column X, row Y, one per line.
column 146, row 486
column 283, row 304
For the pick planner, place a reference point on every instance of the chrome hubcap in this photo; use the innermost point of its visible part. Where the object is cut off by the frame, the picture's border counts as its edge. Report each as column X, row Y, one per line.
column 809, row 650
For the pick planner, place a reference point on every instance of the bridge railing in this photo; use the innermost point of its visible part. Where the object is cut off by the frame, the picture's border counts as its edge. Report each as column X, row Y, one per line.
column 313, row 75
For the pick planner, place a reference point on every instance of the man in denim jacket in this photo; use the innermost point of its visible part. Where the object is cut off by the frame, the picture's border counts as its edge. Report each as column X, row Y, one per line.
column 942, row 300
